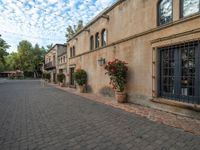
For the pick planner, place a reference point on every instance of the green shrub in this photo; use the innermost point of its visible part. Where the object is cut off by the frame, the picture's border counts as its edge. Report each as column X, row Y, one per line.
column 46, row 76
column 80, row 76
column 61, row 77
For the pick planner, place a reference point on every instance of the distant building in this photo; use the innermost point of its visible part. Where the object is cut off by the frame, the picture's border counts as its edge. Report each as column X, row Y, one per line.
column 62, row 63
column 51, row 60
column 12, row 74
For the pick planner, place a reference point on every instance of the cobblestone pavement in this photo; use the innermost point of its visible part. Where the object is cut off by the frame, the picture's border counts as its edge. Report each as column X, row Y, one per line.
column 45, row 118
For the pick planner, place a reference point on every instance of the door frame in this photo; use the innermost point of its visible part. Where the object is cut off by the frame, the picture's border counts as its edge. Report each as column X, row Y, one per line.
column 177, row 72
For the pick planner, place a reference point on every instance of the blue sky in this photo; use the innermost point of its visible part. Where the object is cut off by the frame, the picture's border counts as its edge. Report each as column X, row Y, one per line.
column 44, row 21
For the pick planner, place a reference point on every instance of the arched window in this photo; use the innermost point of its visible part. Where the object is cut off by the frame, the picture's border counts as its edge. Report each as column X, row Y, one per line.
column 97, row 40
column 165, row 9
column 104, row 37
column 92, row 42
column 74, row 51
column 189, row 7
column 71, row 52
column 64, row 59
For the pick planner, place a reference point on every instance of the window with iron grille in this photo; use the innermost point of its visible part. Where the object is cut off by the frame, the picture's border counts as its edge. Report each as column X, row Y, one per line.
column 179, row 72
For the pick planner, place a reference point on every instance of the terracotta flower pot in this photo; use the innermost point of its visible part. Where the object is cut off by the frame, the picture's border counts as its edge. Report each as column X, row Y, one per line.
column 81, row 88
column 121, row 97
column 62, row 84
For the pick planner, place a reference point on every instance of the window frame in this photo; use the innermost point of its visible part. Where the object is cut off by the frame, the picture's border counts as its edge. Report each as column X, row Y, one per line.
column 91, row 42
column 102, row 37
column 97, row 40
column 177, row 48
column 158, row 14
column 181, row 10
column 73, row 51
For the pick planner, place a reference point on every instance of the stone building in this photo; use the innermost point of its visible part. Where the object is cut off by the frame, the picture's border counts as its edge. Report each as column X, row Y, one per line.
column 160, row 41
column 51, row 60
column 62, row 63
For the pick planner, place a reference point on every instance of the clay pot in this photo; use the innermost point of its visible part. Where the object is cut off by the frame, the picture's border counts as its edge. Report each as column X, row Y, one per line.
column 62, row 84
column 81, row 88
column 121, row 97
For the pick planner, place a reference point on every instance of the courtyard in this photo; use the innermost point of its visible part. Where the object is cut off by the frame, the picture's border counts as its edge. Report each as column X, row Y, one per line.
column 33, row 117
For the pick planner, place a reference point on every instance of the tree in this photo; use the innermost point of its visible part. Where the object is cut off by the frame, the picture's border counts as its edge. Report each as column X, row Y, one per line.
column 38, row 59
column 49, row 46
column 12, row 61
column 3, row 47
column 71, row 31
column 27, row 58
column 25, row 55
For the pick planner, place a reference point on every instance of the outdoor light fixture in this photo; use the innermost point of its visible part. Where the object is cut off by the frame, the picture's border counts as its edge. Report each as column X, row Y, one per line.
column 101, row 61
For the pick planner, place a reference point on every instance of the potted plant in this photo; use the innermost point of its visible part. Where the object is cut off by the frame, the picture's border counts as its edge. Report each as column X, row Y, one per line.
column 46, row 76
column 80, row 76
column 61, row 79
column 117, row 71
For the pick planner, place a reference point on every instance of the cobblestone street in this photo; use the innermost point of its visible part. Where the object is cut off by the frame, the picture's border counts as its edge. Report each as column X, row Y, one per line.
column 33, row 117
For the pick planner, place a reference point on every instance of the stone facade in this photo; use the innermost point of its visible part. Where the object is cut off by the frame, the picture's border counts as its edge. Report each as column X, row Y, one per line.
column 51, row 60
column 134, row 35
column 62, row 63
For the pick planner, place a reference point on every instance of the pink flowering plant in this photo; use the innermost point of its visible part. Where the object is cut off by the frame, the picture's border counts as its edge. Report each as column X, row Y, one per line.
column 117, row 70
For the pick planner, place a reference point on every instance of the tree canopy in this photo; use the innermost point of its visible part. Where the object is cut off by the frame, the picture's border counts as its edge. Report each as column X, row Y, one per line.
column 49, row 46
column 28, row 58
column 3, row 53
column 71, row 31
column 3, row 50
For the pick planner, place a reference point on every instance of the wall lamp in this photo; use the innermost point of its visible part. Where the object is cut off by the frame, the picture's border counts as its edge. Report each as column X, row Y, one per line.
column 101, row 61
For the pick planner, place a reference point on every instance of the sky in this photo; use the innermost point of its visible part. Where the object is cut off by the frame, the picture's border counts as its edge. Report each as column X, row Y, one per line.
column 44, row 21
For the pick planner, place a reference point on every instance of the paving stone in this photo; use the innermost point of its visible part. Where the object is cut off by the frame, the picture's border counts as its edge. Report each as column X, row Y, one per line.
column 33, row 117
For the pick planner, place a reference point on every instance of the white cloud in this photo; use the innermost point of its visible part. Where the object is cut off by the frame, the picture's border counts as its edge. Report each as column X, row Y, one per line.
column 40, row 22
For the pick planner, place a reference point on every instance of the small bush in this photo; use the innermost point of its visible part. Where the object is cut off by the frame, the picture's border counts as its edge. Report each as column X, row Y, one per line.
column 61, row 77
column 80, row 76
column 46, row 76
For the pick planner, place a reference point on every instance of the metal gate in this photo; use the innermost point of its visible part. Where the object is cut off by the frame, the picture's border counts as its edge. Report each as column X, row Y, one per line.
column 180, row 72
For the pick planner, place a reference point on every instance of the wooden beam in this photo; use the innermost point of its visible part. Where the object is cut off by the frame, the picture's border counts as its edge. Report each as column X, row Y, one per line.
column 106, row 17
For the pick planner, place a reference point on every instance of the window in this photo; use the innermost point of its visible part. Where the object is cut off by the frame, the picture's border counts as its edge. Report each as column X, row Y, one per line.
column 71, row 51
column 61, row 60
column 179, row 72
column 189, row 7
column 92, row 42
column 64, row 59
column 97, row 40
column 74, row 52
column 104, row 37
column 164, row 12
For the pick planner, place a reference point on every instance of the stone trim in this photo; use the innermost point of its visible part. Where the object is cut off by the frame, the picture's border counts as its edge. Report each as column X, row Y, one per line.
column 194, row 107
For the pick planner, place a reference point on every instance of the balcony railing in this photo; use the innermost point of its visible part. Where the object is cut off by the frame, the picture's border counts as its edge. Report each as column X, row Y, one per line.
column 49, row 65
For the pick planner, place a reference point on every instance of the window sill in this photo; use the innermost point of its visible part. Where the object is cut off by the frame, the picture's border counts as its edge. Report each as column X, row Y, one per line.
column 194, row 107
